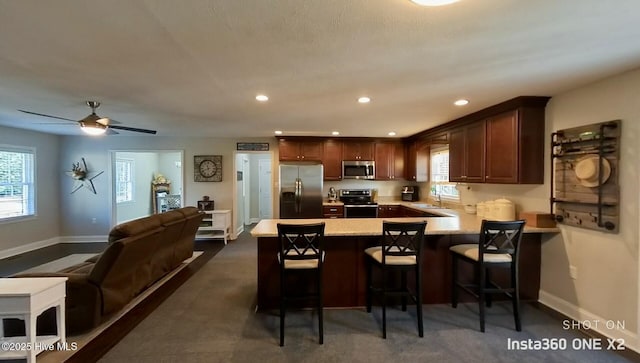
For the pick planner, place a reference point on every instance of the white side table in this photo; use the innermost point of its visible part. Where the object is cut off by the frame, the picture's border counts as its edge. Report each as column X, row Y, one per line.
column 215, row 224
column 25, row 299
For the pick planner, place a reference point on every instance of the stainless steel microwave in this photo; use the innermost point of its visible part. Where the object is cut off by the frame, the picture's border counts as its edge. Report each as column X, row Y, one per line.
column 358, row 169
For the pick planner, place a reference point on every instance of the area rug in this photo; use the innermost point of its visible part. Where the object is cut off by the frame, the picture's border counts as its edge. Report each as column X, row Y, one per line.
column 61, row 263
column 81, row 340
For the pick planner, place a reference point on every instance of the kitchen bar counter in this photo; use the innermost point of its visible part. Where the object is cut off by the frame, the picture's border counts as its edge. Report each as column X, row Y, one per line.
column 345, row 242
column 453, row 222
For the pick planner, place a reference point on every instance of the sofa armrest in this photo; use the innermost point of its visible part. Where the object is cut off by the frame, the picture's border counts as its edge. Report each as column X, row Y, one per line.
column 83, row 303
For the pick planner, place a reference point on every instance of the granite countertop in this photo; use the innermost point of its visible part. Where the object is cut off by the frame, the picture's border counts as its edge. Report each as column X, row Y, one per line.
column 453, row 222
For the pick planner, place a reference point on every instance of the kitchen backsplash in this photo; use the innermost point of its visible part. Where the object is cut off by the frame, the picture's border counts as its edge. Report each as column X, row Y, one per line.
column 385, row 188
column 525, row 196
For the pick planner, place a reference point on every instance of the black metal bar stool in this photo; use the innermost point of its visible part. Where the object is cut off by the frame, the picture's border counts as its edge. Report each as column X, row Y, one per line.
column 498, row 248
column 400, row 250
column 301, row 251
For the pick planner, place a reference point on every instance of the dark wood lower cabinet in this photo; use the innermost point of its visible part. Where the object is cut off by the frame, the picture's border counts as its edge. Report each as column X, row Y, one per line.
column 344, row 280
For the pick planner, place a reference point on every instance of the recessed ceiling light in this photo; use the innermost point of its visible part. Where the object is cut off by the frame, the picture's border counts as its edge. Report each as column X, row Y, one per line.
column 391, row 133
column 262, row 98
column 461, row 102
column 335, row 133
column 433, row 2
column 278, row 132
column 364, row 99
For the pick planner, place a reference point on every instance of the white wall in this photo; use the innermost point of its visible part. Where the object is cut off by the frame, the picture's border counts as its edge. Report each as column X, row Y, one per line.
column 607, row 284
column 607, row 264
column 254, row 183
column 145, row 165
column 169, row 166
column 49, row 173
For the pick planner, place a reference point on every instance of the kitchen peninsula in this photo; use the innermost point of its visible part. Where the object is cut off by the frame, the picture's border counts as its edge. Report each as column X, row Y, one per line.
column 346, row 240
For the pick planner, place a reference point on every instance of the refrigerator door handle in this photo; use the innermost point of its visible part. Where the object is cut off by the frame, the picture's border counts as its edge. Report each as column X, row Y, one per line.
column 298, row 195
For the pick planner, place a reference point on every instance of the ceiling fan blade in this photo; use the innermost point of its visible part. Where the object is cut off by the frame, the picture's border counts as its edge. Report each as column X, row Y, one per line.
column 133, row 129
column 111, row 132
column 43, row 115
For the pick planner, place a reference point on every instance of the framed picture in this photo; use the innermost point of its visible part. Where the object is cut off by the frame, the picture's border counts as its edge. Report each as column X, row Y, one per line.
column 207, row 168
column 252, row 146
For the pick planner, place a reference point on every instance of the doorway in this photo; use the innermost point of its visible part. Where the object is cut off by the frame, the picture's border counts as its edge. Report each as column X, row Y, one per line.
column 133, row 177
column 253, row 188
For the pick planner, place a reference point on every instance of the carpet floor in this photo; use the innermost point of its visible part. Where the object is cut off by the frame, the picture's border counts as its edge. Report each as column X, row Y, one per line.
column 211, row 318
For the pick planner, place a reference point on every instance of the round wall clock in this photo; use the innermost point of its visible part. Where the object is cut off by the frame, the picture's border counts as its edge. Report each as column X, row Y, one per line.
column 207, row 168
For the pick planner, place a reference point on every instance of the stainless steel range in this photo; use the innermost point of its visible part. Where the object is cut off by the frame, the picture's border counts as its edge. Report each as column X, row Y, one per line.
column 358, row 203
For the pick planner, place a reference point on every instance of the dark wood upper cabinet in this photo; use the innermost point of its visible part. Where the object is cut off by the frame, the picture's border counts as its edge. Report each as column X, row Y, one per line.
column 502, row 148
column 357, row 150
column 466, row 153
column 505, row 148
column 416, row 165
column 332, row 159
column 300, row 150
column 515, row 147
column 389, row 158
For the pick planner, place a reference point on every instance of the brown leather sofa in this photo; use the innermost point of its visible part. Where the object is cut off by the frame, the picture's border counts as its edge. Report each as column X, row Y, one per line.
column 138, row 254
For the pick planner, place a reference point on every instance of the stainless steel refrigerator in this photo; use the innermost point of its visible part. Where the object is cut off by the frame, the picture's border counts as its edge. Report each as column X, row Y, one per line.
column 300, row 191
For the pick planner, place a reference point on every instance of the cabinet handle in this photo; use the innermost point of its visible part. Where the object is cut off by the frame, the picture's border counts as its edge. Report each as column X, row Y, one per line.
column 333, row 209
column 302, row 157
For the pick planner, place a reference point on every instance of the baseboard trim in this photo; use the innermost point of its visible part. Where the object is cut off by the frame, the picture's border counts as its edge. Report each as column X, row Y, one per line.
column 254, row 220
column 575, row 313
column 29, row 247
column 83, row 239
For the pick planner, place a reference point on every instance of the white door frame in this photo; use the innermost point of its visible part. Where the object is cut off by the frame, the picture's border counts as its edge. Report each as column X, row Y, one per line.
column 234, row 212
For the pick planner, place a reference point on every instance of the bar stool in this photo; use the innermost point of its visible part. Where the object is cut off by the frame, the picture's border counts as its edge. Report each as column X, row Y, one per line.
column 498, row 248
column 301, row 251
column 400, row 250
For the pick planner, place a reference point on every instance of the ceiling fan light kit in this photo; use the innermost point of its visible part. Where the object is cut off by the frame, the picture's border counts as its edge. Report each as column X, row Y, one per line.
column 93, row 127
column 94, row 124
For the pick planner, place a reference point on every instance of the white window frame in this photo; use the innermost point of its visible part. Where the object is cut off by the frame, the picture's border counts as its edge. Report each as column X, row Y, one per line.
column 439, row 179
column 131, row 182
column 27, row 184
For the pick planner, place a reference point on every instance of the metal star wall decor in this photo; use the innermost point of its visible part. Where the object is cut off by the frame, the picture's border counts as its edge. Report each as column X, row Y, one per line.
column 82, row 177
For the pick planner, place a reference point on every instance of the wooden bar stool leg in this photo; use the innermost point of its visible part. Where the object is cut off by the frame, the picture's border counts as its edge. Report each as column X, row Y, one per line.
column 404, row 286
column 282, row 308
column 454, row 281
column 320, row 309
column 384, row 305
column 419, row 301
column 369, row 286
column 481, row 296
column 516, row 297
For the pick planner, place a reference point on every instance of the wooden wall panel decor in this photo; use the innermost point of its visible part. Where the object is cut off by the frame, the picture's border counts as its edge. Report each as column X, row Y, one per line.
column 584, row 177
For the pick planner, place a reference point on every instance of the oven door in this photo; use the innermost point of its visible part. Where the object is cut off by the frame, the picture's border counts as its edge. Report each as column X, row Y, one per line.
column 361, row 211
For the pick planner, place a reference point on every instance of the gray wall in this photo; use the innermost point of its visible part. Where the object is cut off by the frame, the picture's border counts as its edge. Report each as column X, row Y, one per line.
column 80, row 211
column 49, row 174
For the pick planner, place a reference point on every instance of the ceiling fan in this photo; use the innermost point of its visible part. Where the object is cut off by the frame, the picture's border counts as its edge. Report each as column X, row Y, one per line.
column 94, row 124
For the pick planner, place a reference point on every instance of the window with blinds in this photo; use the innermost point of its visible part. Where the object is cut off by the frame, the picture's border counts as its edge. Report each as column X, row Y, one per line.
column 440, row 184
column 124, row 180
column 17, row 182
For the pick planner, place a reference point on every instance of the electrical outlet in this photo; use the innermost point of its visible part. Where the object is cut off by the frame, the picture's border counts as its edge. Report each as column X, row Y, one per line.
column 573, row 272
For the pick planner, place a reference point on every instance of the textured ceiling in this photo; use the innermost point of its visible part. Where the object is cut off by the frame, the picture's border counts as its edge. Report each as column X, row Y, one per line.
column 193, row 68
